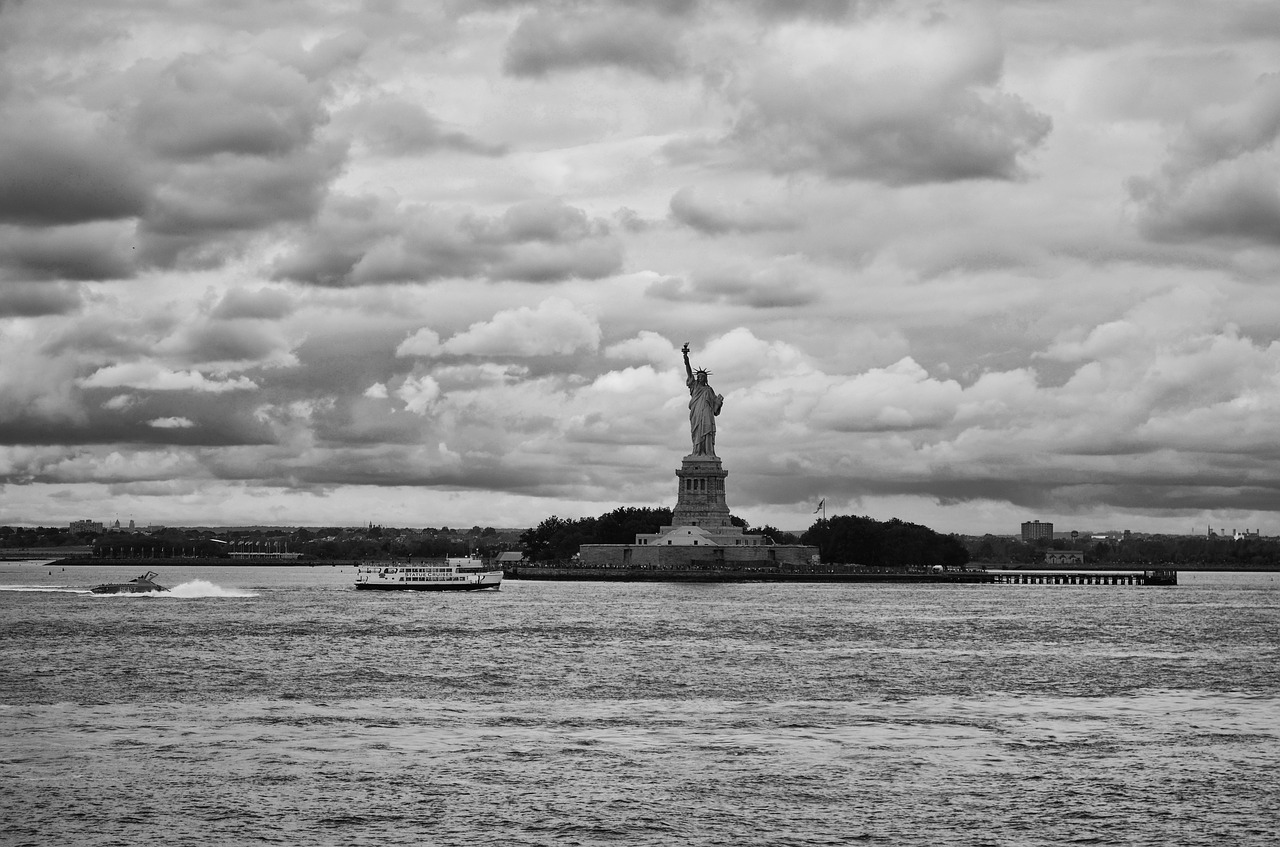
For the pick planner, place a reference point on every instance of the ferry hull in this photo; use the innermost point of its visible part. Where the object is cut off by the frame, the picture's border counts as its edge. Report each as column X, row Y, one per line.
column 419, row 586
column 455, row 574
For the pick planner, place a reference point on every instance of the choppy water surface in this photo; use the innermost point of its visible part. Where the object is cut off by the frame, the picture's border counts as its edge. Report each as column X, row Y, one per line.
column 271, row 705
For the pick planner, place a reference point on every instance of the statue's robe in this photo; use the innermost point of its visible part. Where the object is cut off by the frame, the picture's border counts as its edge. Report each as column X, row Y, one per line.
column 704, row 405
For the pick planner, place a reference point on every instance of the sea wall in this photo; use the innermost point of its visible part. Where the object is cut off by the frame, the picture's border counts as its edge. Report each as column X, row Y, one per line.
column 677, row 557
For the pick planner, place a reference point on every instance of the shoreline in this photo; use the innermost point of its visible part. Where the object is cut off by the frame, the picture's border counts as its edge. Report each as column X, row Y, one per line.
column 975, row 572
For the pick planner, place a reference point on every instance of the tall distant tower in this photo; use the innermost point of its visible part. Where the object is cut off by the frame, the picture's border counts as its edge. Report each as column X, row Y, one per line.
column 1031, row 530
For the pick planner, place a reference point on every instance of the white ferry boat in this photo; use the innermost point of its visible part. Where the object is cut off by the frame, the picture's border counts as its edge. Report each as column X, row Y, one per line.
column 456, row 573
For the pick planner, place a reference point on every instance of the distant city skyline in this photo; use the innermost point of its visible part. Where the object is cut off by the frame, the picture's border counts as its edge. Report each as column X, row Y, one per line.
column 963, row 264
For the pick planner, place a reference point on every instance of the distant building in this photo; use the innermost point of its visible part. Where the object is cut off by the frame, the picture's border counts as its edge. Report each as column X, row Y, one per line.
column 1070, row 558
column 86, row 526
column 1031, row 530
column 1236, row 534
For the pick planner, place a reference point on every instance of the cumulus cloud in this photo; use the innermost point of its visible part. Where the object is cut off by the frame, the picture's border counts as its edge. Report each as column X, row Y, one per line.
column 199, row 106
column 171, row 423
column 1222, row 178
column 779, row 285
column 418, row 393
column 366, row 240
column 424, row 342
column 239, row 343
column 895, row 100
column 224, row 232
column 716, row 215
column 236, row 147
column 646, row 346
column 550, row 40
column 153, row 377
column 901, row 396
column 397, row 127
column 554, row 328
column 190, row 156
column 260, row 304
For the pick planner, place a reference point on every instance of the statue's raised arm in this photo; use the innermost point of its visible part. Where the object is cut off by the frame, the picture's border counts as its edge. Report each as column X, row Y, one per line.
column 704, row 405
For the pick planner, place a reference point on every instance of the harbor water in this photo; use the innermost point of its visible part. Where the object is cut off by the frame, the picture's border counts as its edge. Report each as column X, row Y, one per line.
column 277, row 705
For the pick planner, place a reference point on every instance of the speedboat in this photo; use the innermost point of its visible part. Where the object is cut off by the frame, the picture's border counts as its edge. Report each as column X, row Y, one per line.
column 138, row 585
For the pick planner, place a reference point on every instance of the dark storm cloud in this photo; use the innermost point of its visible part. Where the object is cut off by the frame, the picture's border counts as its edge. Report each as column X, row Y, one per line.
column 364, row 240
column 202, row 152
column 61, row 169
column 237, row 150
column 389, row 465
column 551, row 40
column 223, row 341
column 216, row 420
column 87, row 251
column 29, row 300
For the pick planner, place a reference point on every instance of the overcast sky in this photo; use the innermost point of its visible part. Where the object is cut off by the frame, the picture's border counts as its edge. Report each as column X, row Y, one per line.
column 430, row 264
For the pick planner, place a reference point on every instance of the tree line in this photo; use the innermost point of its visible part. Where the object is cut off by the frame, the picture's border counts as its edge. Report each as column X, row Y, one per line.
column 843, row 539
column 320, row 543
column 1143, row 550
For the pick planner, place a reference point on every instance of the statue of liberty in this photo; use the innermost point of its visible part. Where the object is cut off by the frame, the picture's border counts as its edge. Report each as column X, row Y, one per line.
column 704, row 405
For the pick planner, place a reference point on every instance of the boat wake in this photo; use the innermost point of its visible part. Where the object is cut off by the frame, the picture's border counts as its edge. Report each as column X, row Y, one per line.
column 204, row 588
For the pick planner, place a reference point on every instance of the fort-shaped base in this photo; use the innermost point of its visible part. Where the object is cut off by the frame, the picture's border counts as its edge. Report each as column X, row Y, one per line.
column 700, row 494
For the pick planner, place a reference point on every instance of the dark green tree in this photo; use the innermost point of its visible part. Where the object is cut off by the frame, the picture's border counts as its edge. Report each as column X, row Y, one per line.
column 893, row 543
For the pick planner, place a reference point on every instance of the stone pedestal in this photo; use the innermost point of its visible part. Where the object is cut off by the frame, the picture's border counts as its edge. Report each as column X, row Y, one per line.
column 700, row 494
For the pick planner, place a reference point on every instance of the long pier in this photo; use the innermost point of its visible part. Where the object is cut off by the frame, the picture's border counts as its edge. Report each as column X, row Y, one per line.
column 835, row 573
column 1161, row 576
